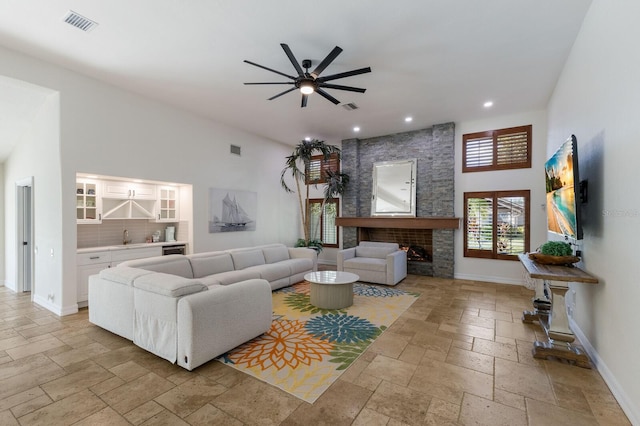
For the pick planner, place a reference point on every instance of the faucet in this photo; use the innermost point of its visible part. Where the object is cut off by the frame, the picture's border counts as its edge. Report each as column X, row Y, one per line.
column 125, row 237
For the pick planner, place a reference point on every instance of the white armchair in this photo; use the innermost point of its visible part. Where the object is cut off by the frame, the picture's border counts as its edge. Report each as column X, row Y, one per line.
column 374, row 262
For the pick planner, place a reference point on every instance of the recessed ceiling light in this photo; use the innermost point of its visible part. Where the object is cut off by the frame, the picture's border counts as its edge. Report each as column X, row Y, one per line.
column 408, row 119
column 356, row 129
column 308, row 139
column 488, row 104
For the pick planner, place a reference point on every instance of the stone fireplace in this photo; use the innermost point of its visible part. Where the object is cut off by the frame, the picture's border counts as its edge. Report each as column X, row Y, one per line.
column 431, row 232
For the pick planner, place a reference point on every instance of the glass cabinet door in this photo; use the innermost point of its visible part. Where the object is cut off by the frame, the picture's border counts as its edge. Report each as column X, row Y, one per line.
column 87, row 202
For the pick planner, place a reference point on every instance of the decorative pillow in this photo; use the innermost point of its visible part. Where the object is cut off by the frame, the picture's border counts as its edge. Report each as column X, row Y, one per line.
column 275, row 254
column 375, row 252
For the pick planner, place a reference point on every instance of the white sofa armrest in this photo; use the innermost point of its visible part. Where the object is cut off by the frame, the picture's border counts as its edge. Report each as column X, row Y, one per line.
column 304, row 252
column 343, row 255
column 396, row 267
column 215, row 321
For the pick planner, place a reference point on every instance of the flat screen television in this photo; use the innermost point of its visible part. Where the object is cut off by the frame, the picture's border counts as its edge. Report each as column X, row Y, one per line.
column 563, row 191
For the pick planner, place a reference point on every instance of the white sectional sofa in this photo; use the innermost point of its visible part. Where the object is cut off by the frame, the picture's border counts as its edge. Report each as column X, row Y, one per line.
column 191, row 309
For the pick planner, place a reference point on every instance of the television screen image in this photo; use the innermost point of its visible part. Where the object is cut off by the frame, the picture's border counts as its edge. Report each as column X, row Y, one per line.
column 562, row 184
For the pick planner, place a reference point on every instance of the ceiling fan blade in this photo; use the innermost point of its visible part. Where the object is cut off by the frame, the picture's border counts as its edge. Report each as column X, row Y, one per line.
column 339, row 87
column 286, row 82
column 293, row 59
column 304, row 101
column 269, row 69
column 326, row 61
column 344, row 74
column 280, row 94
column 327, row 96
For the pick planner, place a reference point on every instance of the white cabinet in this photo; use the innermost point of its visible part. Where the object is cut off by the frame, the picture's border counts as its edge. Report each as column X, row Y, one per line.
column 167, row 204
column 89, row 264
column 88, row 202
column 123, row 190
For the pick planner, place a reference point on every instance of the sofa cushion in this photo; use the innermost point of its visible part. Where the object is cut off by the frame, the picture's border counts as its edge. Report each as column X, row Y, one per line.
column 123, row 275
column 231, row 277
column 204, row 264
column 371, row 264
column 168, row 285
column 174, row 264
column 297, row 266
column 246, row 258
column 275, row 254
column 374, row 252
column 272, row 272
column 393, row 246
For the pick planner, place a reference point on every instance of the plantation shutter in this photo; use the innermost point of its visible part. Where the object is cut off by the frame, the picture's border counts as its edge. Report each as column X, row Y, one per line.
column 317, row 168
column 479, row 225
column 512, row 148
column 479, row 152
column 511, row 221
column 497, row 149
column 329, row 229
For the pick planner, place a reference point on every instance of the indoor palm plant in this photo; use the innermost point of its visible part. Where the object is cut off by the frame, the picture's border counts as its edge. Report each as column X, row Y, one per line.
column 298, row 165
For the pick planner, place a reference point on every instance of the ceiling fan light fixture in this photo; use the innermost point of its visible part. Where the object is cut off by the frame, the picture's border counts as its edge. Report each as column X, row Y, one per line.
column 306, row 88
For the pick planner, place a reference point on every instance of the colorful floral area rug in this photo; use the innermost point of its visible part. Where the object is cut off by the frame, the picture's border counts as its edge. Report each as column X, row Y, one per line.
column 308, row 348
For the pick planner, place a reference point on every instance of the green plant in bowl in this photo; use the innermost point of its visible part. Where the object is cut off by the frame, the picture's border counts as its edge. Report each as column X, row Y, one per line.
column 556, row 248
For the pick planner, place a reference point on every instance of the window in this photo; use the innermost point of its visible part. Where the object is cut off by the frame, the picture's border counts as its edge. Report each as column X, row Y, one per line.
column 316, row 170
column 323, row 225
column 497, row 150
column 496, row 224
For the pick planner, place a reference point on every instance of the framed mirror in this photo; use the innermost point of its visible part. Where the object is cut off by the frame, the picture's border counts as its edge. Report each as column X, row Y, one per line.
column 394, row 188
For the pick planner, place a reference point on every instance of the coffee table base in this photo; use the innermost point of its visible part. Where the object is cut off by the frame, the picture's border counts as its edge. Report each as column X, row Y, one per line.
column 335, row 296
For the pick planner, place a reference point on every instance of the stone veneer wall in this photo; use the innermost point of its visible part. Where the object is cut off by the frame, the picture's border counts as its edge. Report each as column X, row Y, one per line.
column 434, row 149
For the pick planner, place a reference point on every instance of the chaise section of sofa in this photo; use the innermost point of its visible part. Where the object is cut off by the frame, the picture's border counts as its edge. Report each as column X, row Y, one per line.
column 191, row 309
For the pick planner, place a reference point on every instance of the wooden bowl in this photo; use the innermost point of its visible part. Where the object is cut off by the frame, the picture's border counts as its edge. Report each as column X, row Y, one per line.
column 546, row 259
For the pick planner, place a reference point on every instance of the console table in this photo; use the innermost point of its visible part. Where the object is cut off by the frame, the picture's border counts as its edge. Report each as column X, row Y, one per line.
column 556, row 322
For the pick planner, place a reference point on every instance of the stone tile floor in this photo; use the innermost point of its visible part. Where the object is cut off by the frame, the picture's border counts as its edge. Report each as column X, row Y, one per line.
column 459, row 356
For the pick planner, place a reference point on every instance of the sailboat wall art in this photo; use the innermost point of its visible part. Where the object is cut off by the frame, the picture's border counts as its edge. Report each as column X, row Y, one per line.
column 232, row 211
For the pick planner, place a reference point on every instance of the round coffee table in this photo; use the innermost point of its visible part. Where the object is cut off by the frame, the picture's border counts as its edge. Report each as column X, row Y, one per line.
column 331, row 289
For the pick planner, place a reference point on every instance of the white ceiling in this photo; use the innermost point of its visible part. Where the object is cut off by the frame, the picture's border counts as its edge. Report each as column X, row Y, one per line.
column 434, row 60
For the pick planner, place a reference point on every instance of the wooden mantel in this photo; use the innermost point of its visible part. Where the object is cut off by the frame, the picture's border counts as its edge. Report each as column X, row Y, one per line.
column 400, row 222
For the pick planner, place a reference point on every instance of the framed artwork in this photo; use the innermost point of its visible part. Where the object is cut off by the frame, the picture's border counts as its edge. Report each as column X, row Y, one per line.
column 231, row 210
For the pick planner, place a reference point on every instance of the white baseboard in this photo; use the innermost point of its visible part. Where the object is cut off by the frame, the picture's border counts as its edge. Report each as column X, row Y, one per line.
column 631, row 409
column 56, row 309
column 488, row 279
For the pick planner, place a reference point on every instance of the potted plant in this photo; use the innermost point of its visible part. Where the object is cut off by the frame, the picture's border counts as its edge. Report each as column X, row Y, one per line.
column 297, row 166
column 555, row 253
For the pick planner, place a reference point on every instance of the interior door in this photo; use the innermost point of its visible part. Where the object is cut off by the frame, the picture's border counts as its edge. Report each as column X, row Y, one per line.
column 24, row 234
column 27, row 244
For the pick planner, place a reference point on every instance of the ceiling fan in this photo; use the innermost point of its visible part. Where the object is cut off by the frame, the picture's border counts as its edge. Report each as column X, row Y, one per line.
column 309, row 82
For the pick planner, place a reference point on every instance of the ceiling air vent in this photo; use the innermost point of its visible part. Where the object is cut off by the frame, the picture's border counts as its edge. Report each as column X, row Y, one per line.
column 350, row 106
column 79, row 21
column 235, row 149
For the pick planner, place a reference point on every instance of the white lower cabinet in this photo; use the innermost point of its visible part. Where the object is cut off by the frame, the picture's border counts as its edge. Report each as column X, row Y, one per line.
column 89, row 264
column 92, row 263
column 119, row 256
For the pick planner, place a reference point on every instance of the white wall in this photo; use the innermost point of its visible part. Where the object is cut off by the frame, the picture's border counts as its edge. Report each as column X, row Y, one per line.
column 502, row 271
column 598, row 99
column 37, row 155
column 109, row 131
column 2, row 269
